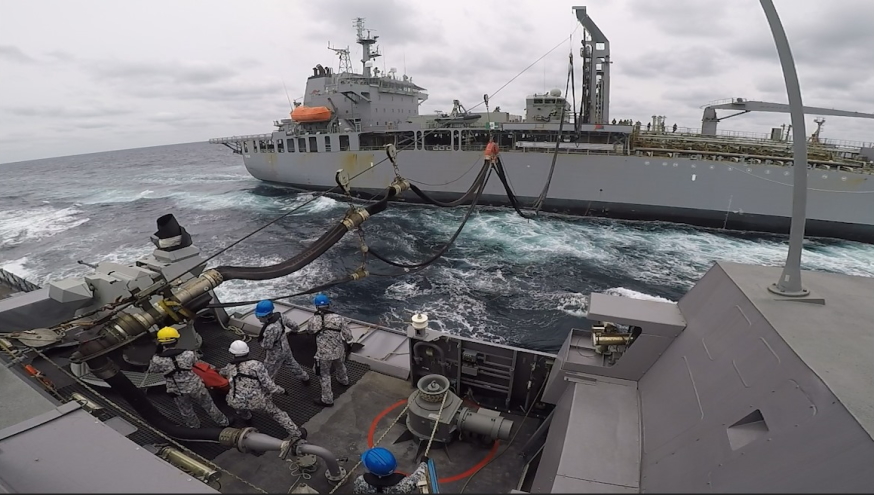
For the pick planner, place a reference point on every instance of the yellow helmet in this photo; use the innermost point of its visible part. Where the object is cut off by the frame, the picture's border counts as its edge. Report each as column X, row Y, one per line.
column 167, row 335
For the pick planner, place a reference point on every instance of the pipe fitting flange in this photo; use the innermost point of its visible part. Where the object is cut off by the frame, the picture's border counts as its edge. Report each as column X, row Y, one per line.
column 242, row 436
column 338, row 478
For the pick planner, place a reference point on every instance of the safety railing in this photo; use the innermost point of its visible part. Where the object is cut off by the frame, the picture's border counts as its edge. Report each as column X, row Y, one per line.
column 15, row 282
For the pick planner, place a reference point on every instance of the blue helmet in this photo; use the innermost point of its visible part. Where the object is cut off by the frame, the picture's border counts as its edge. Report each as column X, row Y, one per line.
column 321, row 301
column 263, row 308
column 379, row 461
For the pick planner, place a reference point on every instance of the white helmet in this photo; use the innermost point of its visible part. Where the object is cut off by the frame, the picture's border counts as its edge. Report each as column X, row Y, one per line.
column 239, row 348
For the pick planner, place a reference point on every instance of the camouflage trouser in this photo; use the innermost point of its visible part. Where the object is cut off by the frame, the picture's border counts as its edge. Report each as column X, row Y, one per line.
column 277, row 414
column 325, row 366
column 185, row 403
column 274, row 360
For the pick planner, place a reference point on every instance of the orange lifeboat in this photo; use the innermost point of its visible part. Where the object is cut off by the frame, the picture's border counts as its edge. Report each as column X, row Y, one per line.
column 311, row 114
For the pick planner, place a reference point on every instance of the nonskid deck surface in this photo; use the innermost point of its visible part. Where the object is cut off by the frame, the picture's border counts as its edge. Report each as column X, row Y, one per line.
column 358, row 419
column 299, row 404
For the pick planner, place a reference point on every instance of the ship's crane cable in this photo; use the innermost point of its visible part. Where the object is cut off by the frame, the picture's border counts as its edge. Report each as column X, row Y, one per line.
column 463, row 199
column 116, row 308
column 539, row 203
column 318, row 288
column 446, row 183
column 408, row 268
column 526, row 68
column 445, row 247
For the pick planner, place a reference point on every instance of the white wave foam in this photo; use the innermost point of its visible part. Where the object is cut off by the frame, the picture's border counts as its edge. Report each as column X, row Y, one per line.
column 175, row 178
column 531, row 240
column 320, row 204
column 122, row 196
column 22, row 226
column 633, row 294
column 404, row 290
column 19, row 267
column 574, row 304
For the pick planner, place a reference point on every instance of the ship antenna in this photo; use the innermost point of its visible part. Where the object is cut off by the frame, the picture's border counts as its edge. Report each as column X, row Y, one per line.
column 790, row 280
column 290, row 106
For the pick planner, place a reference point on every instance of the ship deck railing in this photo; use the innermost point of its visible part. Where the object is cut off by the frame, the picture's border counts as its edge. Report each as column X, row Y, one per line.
column 547, row 149
column 753, row 159
column 752, row 138
column 237, row 139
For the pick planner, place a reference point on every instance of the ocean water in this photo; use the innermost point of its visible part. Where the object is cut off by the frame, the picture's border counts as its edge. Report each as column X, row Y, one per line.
column 506, row 279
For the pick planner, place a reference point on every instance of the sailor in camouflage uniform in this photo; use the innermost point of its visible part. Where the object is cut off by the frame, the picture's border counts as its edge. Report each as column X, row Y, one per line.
column 250, row 388
column 381, row 476
column 185, row 387
column 274, row 341
column 332, row 337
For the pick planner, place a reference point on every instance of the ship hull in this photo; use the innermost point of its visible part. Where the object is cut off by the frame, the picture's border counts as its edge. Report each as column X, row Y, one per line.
column 716, row 194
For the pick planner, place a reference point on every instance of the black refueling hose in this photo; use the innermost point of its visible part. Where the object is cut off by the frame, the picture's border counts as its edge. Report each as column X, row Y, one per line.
column 353, row 219
column 499, row 169
column 463, row 199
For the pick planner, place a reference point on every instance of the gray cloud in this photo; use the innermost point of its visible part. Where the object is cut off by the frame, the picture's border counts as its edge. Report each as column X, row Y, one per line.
column 839, row 37
column 92, row 125
column 396, row 23
column 67, row 112
column 15, row 54
column 61, row 56
column 683, row 18
column 224, row 92
column 172, row 72
column 687, row 63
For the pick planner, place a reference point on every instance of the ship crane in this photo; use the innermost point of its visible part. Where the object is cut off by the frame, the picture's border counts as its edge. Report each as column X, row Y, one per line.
column 742, row 106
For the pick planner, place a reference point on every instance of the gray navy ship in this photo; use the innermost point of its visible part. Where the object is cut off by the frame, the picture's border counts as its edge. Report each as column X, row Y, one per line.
column 631, row 171
column 752, row 382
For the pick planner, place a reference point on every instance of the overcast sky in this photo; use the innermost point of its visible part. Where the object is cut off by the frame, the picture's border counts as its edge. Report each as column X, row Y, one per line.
column 83, row 76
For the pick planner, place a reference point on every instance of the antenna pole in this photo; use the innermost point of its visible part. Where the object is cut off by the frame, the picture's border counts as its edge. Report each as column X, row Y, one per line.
column 286, row 96
column 790, row 280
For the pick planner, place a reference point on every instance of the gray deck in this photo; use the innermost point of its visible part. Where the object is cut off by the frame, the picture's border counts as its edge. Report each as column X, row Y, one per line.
column 598, row 415
column 835, row 340
column 58, row 450
column 18, row 400
column 344, row 428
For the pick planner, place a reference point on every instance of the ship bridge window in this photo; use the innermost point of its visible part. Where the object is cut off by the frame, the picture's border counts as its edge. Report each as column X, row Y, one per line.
column 270, row 147
column 290, row 145
column 327, row 143
column 301, row 145
column 314, row 145
column 280, row 145
column 245, row 146
column 538, row 101
column 344, row 143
